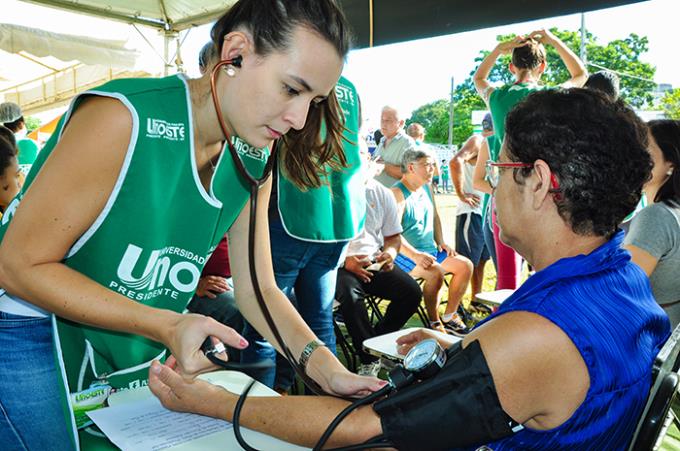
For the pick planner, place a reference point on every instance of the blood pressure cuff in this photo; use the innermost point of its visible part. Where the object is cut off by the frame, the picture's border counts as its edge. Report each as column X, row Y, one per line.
column 457, row 407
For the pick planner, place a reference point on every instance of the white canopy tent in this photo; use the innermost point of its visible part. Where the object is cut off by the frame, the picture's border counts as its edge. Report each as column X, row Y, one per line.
column 40, row 69
column 169, row 17
column 375, row 22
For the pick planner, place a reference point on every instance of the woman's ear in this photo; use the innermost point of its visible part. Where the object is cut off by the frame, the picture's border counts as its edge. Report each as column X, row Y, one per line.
column 236, row 43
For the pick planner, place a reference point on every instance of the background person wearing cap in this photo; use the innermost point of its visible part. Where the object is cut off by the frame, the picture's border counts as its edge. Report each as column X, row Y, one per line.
column 469, row 212
column 12, row 118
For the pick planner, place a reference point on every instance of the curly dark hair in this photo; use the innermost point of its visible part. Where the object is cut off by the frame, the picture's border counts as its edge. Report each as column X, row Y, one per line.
column 597, row 149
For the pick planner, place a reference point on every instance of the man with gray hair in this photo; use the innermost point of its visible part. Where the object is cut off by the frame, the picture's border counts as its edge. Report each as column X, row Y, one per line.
column 392, row 145
column 423, row 253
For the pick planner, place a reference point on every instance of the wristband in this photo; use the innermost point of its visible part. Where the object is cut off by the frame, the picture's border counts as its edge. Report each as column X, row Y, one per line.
column 307, row 352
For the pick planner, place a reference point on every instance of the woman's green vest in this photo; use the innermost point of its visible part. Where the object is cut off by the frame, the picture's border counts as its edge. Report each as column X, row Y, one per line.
column 336, row 210
column 156, row 231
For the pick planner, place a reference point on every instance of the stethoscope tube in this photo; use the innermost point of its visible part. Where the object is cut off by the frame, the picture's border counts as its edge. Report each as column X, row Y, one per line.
column 255, row 184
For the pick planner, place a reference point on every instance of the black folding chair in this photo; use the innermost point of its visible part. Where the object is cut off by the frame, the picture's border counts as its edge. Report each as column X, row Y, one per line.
column 344, row 342
column 657, row 415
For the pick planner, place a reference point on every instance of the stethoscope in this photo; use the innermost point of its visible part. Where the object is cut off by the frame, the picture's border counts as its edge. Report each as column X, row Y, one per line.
column 254, row 184
column 424, row 358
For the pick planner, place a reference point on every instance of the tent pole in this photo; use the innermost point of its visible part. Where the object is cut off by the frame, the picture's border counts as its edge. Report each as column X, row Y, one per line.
column 453, row 88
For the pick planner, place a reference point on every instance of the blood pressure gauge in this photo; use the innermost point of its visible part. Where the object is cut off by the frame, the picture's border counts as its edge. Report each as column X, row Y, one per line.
column 425, row 359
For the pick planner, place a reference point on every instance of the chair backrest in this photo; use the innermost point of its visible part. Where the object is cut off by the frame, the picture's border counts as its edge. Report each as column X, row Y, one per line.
column 667, row 359
column 664, row 386
column 651, row 424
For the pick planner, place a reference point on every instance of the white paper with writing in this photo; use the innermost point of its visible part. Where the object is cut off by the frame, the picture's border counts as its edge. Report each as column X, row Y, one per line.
column 147, row 425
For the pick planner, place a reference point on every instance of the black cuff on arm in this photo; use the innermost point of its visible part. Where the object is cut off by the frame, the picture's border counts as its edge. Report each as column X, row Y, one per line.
column 458, row 407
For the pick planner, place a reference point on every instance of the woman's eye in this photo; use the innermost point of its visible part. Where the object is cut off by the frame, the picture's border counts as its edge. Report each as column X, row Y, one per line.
column 291, row 91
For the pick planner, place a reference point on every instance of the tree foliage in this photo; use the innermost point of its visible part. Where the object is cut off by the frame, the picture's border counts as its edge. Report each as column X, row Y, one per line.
column 670, row 103
column 621, row 55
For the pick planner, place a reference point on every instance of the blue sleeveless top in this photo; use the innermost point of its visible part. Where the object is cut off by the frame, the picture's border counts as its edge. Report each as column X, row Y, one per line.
column 418, row 219
column 604, row 303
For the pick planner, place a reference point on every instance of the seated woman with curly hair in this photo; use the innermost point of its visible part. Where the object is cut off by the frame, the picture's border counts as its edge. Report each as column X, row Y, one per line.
column 566, row 362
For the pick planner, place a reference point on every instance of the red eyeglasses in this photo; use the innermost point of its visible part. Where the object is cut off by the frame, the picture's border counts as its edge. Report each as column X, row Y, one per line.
column 493, row 174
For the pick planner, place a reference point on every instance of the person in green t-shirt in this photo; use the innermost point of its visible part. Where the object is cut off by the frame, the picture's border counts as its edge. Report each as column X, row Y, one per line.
column 527, row 65
column 129, row 197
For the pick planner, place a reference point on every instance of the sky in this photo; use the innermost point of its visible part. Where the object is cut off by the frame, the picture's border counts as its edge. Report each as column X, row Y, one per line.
column 381, row 74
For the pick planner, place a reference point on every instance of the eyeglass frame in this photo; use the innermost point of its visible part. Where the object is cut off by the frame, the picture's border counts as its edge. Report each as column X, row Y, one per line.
column 493, row 180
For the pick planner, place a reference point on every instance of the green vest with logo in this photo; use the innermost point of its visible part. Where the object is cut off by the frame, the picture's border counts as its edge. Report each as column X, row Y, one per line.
column 336, row 210
column 154, row 234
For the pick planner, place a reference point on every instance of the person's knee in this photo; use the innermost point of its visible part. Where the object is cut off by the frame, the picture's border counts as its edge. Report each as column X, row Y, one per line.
column 434, row 276
column 459, row 266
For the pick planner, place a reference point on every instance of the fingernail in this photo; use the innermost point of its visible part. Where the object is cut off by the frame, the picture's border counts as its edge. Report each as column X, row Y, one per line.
column 243, row 343
column 155, row 368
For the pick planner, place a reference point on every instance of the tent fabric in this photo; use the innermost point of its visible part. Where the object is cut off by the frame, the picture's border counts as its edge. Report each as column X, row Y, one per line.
column 168, row 15
column 375, row 22
column 40, row 43
column 403, row 20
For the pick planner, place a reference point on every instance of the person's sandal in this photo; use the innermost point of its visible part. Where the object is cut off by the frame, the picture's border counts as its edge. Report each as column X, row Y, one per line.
column 438, row 326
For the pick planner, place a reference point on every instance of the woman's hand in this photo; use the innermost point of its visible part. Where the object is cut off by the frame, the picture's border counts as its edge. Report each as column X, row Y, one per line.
column 181, row 395
column 186, row 336
column 543, row 36
column 345, row 383
column 335, row 379
column 506, row 48
column 406, row 342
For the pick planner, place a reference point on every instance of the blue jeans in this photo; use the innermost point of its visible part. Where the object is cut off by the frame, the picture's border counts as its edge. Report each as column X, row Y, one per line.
column 31, row 411
column 309, row 269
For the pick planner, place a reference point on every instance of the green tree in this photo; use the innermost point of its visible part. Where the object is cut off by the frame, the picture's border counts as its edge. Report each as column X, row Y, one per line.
column 670, row 103
column 621, row 55
column 32, row 123
column 434, row 116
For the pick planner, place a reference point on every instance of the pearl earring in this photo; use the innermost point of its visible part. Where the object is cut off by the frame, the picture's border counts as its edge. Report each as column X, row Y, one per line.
column 230, row 71
column 670, row 172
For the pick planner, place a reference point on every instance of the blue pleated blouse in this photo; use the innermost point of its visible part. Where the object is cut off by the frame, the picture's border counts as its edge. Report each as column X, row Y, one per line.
column 604, row 303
